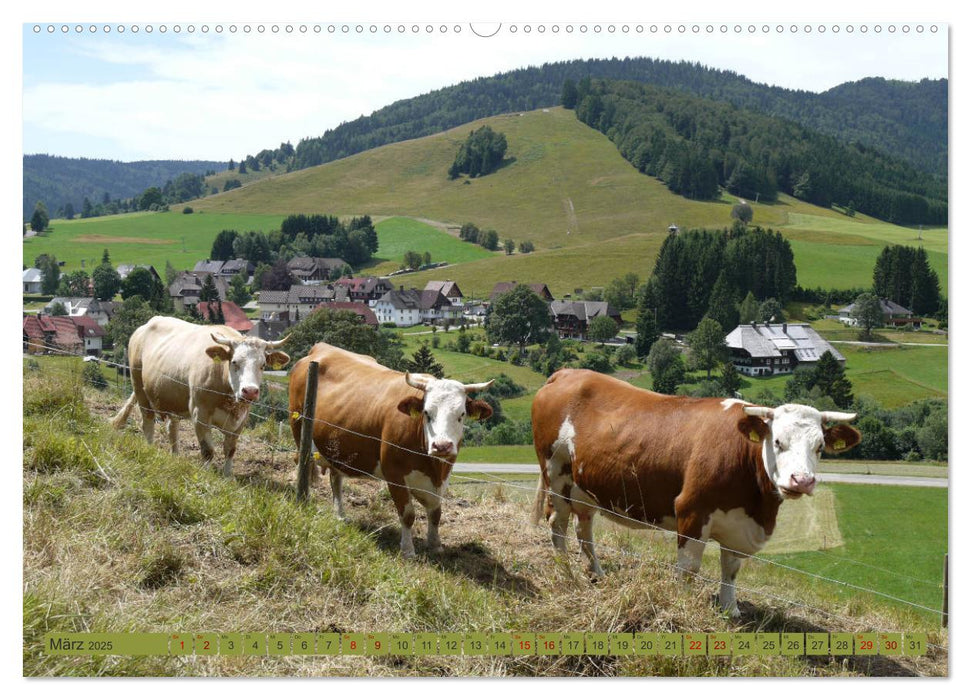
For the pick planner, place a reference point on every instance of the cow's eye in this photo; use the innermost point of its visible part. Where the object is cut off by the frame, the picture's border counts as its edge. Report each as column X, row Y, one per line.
column 778, row 445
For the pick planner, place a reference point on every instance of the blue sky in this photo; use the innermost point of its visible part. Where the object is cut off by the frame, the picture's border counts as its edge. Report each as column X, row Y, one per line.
column 130, row 96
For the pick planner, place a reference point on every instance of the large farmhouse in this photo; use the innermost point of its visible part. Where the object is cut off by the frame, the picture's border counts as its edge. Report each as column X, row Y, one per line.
column 572, row 318
column 764, row 349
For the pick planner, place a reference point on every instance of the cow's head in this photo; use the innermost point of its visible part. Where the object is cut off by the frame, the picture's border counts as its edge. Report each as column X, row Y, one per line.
column 793, row 437
column 443, row 409
column 246, row 358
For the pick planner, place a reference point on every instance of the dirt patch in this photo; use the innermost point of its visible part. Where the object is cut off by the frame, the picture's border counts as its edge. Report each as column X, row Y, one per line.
column 101, row 238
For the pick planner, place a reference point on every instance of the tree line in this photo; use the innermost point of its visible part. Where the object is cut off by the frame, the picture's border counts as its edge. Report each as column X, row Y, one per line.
column 697, row 145
column 907, row 119
column 301, row 235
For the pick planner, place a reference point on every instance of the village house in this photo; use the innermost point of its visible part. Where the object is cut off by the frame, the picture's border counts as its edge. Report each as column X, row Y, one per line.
column 63, row 334
column 313, row 271
column 893, row 315
column 224, row 268
column 572, row 318
column 449, row 289
column 297, row 302
column 187, row 286
column 542, row 291
column 409, row 307
column 125, row 270
column 365, row 289
column 765, row 349
column 233, row 316
column 363, row 311
column 90, row 307
column 32, row 280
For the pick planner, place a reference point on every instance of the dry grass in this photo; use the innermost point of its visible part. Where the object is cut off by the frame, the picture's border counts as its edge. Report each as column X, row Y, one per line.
column 161, row 544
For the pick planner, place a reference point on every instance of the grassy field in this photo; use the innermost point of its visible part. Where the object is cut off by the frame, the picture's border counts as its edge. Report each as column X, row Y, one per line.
column 565, row 187
column 894, row 376
column 163, row 544
column 397, row 235
column 146, row 237
column 877, row 553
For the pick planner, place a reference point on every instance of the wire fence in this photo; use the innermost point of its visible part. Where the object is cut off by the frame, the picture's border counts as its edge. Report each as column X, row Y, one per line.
column 492, row 479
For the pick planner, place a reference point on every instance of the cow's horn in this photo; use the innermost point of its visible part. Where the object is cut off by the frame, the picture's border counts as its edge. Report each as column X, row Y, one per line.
column 223, row 340
column 472, row 388
column 417, row 381
column 837, row 417
column 759, row 411
column 274, row 344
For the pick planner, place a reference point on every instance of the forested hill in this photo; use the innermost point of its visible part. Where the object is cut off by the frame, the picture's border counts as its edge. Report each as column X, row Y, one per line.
column 57, row 181
column 697, row 145
column 906, row 119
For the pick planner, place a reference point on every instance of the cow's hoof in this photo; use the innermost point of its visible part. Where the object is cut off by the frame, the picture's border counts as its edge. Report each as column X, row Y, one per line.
column 436, row 550
column 408, row 555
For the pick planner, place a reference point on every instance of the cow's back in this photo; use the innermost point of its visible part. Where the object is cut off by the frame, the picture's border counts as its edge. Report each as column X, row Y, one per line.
column 168, row 357
column 356, row 410
column 636, row 451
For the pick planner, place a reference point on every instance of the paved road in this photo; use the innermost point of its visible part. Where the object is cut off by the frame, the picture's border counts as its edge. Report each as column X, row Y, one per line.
column 492, row 468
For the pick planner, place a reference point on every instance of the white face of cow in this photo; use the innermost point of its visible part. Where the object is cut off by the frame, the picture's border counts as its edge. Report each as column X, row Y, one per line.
column 443, row 411
column 247, row 359
column 793, row 438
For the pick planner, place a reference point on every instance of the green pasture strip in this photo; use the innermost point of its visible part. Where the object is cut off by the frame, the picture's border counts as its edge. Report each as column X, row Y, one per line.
column 150, row 238
column 899, row 534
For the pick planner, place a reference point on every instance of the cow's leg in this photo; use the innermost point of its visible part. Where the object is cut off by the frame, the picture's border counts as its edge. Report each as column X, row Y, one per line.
column 406, row 514
column 229, row 451
column 561, row 485
column 731, row 563
column 174, row 434
column 336, row 490
column 691, row 540
column 148, row 424
column 430, row 496
column 200, row 422
column 585, row 537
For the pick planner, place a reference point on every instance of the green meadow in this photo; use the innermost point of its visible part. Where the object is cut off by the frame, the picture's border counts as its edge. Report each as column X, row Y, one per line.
column 564, row 186
column 894, row 376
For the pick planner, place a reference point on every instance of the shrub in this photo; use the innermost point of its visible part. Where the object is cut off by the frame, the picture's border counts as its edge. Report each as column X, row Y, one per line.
column 504, row 387
column 92, row 376
column 598, row 362
column 187, row 210
column 625, row 355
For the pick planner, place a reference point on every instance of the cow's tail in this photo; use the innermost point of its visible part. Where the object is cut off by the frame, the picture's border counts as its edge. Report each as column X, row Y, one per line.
column 118, row 422
column 539, row 503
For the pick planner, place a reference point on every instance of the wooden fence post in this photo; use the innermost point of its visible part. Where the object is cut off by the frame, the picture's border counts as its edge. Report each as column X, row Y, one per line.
column 305, row 463
column 944, row 606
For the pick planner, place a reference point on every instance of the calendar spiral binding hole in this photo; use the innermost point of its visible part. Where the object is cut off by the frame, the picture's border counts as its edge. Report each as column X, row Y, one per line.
column 512, row 29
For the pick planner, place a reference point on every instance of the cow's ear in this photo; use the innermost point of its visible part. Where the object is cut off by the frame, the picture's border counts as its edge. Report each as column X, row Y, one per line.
column 277, row 359
column 841, row 437
column 218, row 353
column 477, row 409
column 753, row 428
column 412, row 406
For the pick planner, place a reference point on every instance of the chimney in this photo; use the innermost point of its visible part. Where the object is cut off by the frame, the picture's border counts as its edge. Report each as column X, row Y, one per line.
column 785, row 328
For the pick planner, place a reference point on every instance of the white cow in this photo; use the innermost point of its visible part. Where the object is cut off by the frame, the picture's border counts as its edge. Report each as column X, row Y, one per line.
column 209, row 374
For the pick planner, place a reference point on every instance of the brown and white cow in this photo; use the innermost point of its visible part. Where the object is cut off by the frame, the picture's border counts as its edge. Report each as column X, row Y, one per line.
column 402, row 428
column 706, row 468
column 209, row 374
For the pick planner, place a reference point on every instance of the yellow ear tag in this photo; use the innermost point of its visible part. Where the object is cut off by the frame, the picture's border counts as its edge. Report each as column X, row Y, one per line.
column 839, row 444
column 295, row 415
column 754, row 436
column 415, row 413
column 217, row 359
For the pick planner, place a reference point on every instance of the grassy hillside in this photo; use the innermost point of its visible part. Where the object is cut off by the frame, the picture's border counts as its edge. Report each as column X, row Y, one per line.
column 158, row 543
column 564, row 186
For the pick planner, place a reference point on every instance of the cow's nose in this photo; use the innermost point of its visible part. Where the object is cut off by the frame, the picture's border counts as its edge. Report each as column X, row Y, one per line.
column 250, row 393
column 804, row 483
column 443, row 447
